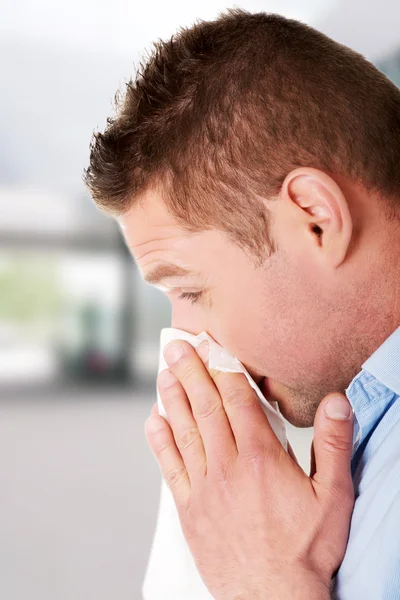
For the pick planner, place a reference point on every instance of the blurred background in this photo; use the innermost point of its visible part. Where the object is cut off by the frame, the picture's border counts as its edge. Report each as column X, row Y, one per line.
column 79, row 329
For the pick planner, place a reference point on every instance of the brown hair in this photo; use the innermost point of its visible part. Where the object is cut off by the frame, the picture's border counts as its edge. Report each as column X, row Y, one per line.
column 224, row 110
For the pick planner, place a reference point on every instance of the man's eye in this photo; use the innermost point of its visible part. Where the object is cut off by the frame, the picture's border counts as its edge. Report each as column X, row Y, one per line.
column 193, row 296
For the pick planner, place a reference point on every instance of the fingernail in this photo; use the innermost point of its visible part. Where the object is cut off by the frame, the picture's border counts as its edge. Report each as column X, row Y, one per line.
column 338, row 408
column 203, row 350
column 154, row 424
column 173, row 352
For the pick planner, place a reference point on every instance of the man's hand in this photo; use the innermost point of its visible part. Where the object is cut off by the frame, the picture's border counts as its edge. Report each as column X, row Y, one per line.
column 257, row 526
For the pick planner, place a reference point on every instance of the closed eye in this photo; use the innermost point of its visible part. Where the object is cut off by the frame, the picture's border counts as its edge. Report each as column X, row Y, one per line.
column 193, row 296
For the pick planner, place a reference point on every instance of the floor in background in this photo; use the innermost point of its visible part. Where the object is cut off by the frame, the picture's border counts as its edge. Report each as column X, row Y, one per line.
column 79, row 494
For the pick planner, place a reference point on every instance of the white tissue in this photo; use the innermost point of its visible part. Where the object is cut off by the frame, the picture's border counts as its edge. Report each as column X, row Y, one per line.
column 220, row 360
column 171, row 572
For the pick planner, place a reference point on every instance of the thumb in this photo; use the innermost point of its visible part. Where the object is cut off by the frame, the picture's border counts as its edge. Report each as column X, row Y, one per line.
column 333, row 443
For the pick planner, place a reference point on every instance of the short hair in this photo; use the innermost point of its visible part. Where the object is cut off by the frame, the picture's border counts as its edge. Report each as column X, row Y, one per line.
column 219, row 114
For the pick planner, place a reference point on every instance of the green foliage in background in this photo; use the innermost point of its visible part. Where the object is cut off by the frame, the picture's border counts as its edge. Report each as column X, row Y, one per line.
column 29, row 289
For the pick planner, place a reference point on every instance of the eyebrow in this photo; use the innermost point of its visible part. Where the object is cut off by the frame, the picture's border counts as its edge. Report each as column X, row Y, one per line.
column 165, row 270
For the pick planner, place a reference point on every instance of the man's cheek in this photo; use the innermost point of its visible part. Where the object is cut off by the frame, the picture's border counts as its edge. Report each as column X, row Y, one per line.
column 188, row 318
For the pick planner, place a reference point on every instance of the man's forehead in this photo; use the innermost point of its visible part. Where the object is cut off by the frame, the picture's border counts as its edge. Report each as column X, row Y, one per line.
column 152, row 234
column 142, row 232
column 148, row 209
column 162, row 247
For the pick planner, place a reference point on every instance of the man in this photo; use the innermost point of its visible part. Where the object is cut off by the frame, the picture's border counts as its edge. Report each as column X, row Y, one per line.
column 253, row 166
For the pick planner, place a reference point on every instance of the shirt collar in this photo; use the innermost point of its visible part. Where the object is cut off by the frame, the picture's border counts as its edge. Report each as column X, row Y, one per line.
column 371, row 392
column 384, row 364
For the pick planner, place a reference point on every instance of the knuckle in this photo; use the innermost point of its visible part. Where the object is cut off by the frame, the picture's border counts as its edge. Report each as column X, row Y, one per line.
column 238, row 396
column 171, row 395
column 175, row 476
column 160, row 443
column 188, row 372
column 336, row 443
column 166, row 381
column 254, row 458
column 188, row 436
column 208, row 408
column 223, row 473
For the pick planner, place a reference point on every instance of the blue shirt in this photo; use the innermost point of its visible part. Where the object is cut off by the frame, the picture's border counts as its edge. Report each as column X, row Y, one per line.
column 371, row 566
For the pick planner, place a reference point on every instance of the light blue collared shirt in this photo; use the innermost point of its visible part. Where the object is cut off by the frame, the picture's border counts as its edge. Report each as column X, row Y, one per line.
column 371, row 566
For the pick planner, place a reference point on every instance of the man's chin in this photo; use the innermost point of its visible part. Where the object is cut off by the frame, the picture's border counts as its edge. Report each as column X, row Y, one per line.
column 287, row 405
column 266, row 390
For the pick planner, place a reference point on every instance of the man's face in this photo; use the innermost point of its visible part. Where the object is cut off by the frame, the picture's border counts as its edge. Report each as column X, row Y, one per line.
column 277, row 319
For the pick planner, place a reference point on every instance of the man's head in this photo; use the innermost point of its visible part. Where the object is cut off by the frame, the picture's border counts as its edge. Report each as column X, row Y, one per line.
column 262, row 157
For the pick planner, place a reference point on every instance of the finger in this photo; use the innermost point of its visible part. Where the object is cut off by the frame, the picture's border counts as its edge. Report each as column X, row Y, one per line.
column 333, row 442
column 250, row 426
column 154, row 410
column 205, row 401
column 161, row 441
column 183, row 424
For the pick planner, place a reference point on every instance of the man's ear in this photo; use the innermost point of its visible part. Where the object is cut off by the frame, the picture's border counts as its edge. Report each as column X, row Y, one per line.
column 320, row 209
